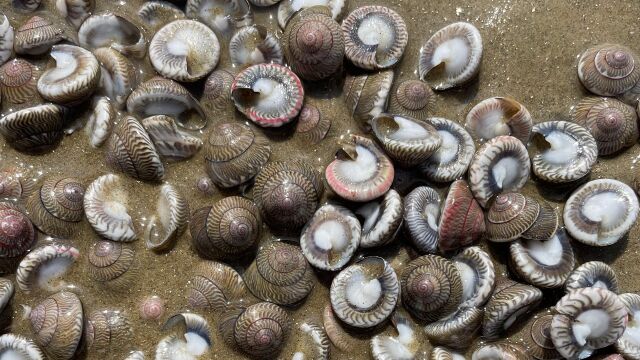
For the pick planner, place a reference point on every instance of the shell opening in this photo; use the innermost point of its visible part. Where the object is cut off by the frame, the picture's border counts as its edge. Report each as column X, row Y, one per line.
column 448, row 149
column 299, row 4
column 66, row 64
column 272, row 94
column 394, row 349
column 374, row 31
column 10, row 354
column 604, row 208
column 590, row 324
column 363, row 293
column 407, row 130
column 371, row 213
column 196, row 344
column 563, row 148
column 117, row 210
column 454, row 53
column 632, row 331
column 330, row 235
column 505, row 172
column 430, row 213
column 468, row 277
column 545, row 252
column 492, row 124
column 53, row 270
column 362, row 168
column 405, row 333
column 514, row 317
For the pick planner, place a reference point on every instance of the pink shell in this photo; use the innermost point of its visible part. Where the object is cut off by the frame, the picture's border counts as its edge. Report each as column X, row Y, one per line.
column 462, row 219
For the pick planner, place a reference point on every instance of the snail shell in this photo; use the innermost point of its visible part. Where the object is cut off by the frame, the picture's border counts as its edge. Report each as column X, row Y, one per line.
column 57, row 324
column 216, row 95
column 262, row 329
column 184, row 50
column 104, row 329
column 106, row 211
column 545, row 225
column 366, row 95
column 280, row 274
column 364, row 294
column 413, row 98
column 457, row 330
column 320, row 343
column 499, row 116
column 171, row 143
column 18, row 81
column 35, row 129
column 254, row 45
column 454, row 155
column 408, row 141
column 609, row 69
column 15, row 184
column 336, row 331
column 313, row 44
column 441, row 353
column 407, row 344
column 288, row 8
column 510, row 215
column 20, row 346
column 223, row 16
column 382, row 219
column 6, row 39
column 36, row 36
column 44, row 264
column 113, row 264
column 159, row 13
column 477, row 274
column 537, row 338
column 6, row 293
column 151, row 308
column 114, row 31
column 75, row 11
column 57, row 208
column 101, row 121
column 628, row 344
column 461, row 220
column 118, row 75
column 312, row 124
column 421, row 214
column 17, row 233
column 215, row 286
column 593, row 274
column 500, row 351
column 169, row 222
column 193, row 341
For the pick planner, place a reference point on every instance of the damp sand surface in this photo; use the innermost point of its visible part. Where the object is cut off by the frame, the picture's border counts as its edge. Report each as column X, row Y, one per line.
column 530, row 54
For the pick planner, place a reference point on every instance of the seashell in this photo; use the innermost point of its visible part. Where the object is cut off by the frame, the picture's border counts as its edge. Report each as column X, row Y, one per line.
column 510, row 301
column 34, row 129
column 461, row 219
column 223, row 16
column 441, row 353
column 215, row 286
column 73, row 78
column 105, row 329
column 431, row 287
column 608, row 69
column 613, row 124
column 43, row 265
column 17, row 233
column 600, row 212
column 216, row 95
column 313, row 44
column 366, row 95
column 364, row 294
column 157, row 14
column 75, row 11
column 193, row 342
column 101, row 121
column 451, row 57
column 131, row 151
column 374, row 173
column 454, row 155
column 18, row 81
column 421, row 218
column 152, row 308
column 205, row 186
column 565, row 151
column 382, row 219
column 6, row 294
column 632, row 96
column 262, row 329
column 160, row 96
column 264, row 3
column 269, row 95
column 375, row 37
column 457, row 330
column 184, row 50
column 288, row 8
column 118, row 75
column 6, row 39
column 57, row 324
column 287, row 194
column 408, row 141
column 280, row 274
column 335, row 331
column 331, row 237
column 593, row 274
column 413, row 98
column 500, row 165
column 500, row 351
column 252, row 45
column 406, row 345
column 510, row 215
column 587, row 319
column 105, row 205
column 114, row 31
column 56, row 209
column 21, row 347
column 477, row 274
column 319, row 347
column 537, row 338
column 26, row 5
column 169, row 221
column 545, row 225
column 171, row 143
column 35, row 36
column 15, row 184
column 312, row 125
column 628, row 344
column 113, row 264
column 543, row 263
column 498, row 116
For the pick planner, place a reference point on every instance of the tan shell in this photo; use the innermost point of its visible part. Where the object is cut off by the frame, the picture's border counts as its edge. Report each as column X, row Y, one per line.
column 593, row 274
column 18, row 81
column 36, row 36
column 62, row 85
column 366, row 95
column 537, row 338
column 113, row 264
column 105, row 206
column 105, row 329
column 510, row 215
column 413, row 98
column 118, row 75
column 312, row 125
column 499, row 116
column 215, row 286
column 609, row 69
column 262, row 329
column 216, row 95
column 336, row 332
column 457, row 330
column 171, row 143
column 35, row 129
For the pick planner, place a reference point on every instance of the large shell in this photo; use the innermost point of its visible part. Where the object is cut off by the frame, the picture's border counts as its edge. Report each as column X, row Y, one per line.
column 312, row 124
column 461, row 220
column 111, row 30
column 510, row 215
column 457, row 330
column 628, row 343
column 223, row 16
column 451, row 57
column 169, row 221
column 453, row 157
column 421, row 216
column 215, row 286
column 366, row 293
column 609, row 69
column 35, row 129
column 17, row 233
column 382, row 219
column 366, row 95
column 600, row 212
column 159, row 13
column 36, row 36
column 593, row 274
column 269, row 95
column 408, row 141
column 288, row 8
column 22, row 347
column 287, row 194
column 57, row 324
column 18, row 81
column 373, row 176
column 499, row 116
column 478, row 276
column 118, row 75
column 262, row 329
column 105, row 205
column 191, row 338
column 105, row 329
column 412, row 98
column 57, row 207
column 6, row 39
column 75, row 11
column 537, row 338
column 100, row 122
column 113, row 264
column 235, row 153
column 254, row 45
column 216, row 95
column 313, row 44
column 280, row 274
column 184, row 50
column 44, row 264
column 331, row 237
column 73, row 78
column 171, row 143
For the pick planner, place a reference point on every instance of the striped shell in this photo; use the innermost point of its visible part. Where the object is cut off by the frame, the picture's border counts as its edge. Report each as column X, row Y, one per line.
column 441, row 353
column 288, row 8
column 452, row 159
column 36, row 129
column 119, row 75
column 215, row 286
column 6, row 293
column 192, row 341
column 382, row 220
column 461, row 220
column 113, row 264
column 316, row 344
column 609, row 69
column 170, row 142
column 499, row 116
column 75, row 11
column 407, row 141
column 337, row 332
column 537, row 338
column 105, row 205
column 159, row 13
column 73, row 78
column 457, row 330
column 407, row 344
column 510, row 215
column 101, row 121
column 17, row 233
column 593, row 274
column 151, row 308
column 216, row 95
column 262, row 329
column 6, row 39
column 26, row 5
column 105, row 329
column 413, row 98
column 501, row 351
column 254, row 45
column 366, row 95
column 43, row 265
column 312, row 125
column 478, row 276
column 545, row 225
column 36, row 36
column 169, row 221
column 223, row 16
column 421, row 216
column 280, row 274
column 57, row 208
column 15, row 183
column 18, row 81
column 628, row 344
column 20, row 346
column 114, row 31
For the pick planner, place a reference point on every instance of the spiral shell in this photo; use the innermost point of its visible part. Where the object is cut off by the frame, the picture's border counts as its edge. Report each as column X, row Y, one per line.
column 215, row 286
column 35, row 129
column 382, row 219
column 312, row 124
column 170, row 220
column 106, row 328
column 262, row 329
column 216, row 95
column 628, row 344
column 499, row 116
column 500, row 351
column 313, row 44
column 421, row 214
column 545, row 225
column 6, row 293
column 114, row 31
column 366, row 95
column 537, row 338
column 457, row 330
column 17, row 233
column 57, row 207
column 23, row 347
column 75, row 11
column 151, row 308
column 74, row 77
column 156, row 14
column 454, row 155
column 18, row 81
column 510, row 215
column 113, row 264
column 280, row 274
column 6, row 39
column 15, row 183
column 105, row 208
column 408, row 141
column 193, row 340
column 44, row 264
column 461, row 220
column 223, row 16
column 608, row 69
column 171, row 143
column 288, row 8
column 36, row 36
column 118, row 75
column 254, row 45
column 413, row 98
column 478, row 276
column 592, row 274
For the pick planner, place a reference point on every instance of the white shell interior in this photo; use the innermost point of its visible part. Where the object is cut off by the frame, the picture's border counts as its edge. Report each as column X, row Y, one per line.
column 375, row 31
column 632, row 331
column 371, row 212
column 362, row 168
column 454, row 53
column 563, row 148
column 331, row 235
column 272, row 95
column 53, row 269
column 430, row 213
column 394, row 349
column 196, row 344
column 505, row 172
column 10, row 354
column 407, row 130
column 299, row 4
column 592, row 323
column 167, row 105
column 490, row 125
column 66, row 64
column 448, row 149
column 97, row 127
column 545, row 252
column 362, row 293
column 468, row 277
column 605, row 208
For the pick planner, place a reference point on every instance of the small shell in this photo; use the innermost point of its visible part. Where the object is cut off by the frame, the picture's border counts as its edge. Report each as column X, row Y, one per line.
column 235, row 153
column 628, row 344
column 105, row 207
column 280, row 274
column 374, row 173
column 408, row 344
column 375, row 37
column 26, row 5
column 73, row 78
column 501, row 164
column 216, row 95
column 336, row 331
column 43, row 265
column 313, row 44
column 36, row 36
column 499, row 116
column 382, row 219
column 171, row 143
column 23, row 347
column 205, row 186
column 600, row 212
column 458, row 330
column 262, row 329
column 114, row 31
column 6, row 294
column 331, row 237
column 461, row 219
column 15, row 183
column 17, row 233
column 105, row 329
column 101, row 121
column 408, row 141
column 151, row 308
column 6, row 39
column 609, row 69
column 366, row 95
column 269, row 95
column 537, row 338
column 366, row 293
column 413, row 98
column 500, row 351
column 254, row 45
column 312, row 124
column 118, row 75
column 509, row 301
column 191, row 342
column 113, row 264
column 441, row 353
column 453, row 157
column 75, row 11
column 545, row 225
column 478, row 276
column 35, row 129
column 184, row 50
column 159, row 13
column 421, row 215
column 215, row 286
column 18, row 81
column 319, row 343
column 431, row 287
column 170, row 220
column 223, row 16
column 456, row 50
column 510, row 215
column 57, row 208
column 593, row 274
column 288, row 8
column 613, row 124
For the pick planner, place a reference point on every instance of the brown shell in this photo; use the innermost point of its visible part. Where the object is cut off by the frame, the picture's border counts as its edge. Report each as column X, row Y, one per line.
column 412, row 98
column 545, row 225
column 312, row 125
column 406, row 152
column 262, row 330
column 461, row 220
column 15, row 183
column 121, row 71
column 216, row 95
column 366, row 95
column 215, row 286
column 171, row 143
column 113, row 264
column 57, row 208
column 510, row 215
column 18, row 81
column 36, row 36
column 421, row 213
column 513, row 115
column 457, row 330
column 17, row 233
column 537, row 338
column 76, row 11
column 609, row 69
column 593, row 274
column 336, row 332
column 104, row 329
column 36, row 129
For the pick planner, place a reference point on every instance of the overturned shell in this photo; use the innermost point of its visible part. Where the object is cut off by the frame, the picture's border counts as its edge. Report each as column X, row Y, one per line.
column 408, row 344
column 169, row 221
column 331, row 237
column 320, row 344
column 43, row 265
column 382, row 219
column 408, row 141
column 600, row 212
column 184, row 50
column 104, row 329
column 421, row 216
column 537, row 338
column 215, row 286
column 312, row 125
column 113, row 264
column 35, row 129
column 510, row 215
column 628, row 343
column 105, row 206
column 114, row 31
column 171, row 143
column 593, row 274
column 613, row 124
column 191, row 338
column 216, row 95
column 454, row 155
column 262, row 329
column 20, row 346
column 500, row 351
column 118, row 75
column 57, row 207
column 280, row 274
column 73, row 78
column 159, row 13
column 75, row 11
column 6, row 39
column 17, row 233
column 36, row 36
column 451, row 57
column 457, row 330
column 100, row 122
column 223, row 16
column 478, row 276
column 366, row 95
column 269, row 95
column 609, row 69
column 499, row 116
column 413, row 98
column 18, row 81
column 254, row 45
column 288, row 8
column 461, row 220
